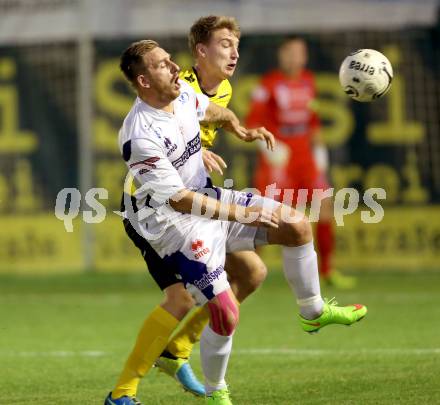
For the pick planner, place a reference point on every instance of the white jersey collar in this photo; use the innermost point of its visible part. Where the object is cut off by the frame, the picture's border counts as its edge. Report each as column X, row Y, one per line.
column 153, row 111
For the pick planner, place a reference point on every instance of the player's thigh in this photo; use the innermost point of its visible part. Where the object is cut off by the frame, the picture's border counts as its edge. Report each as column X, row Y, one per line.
column 245, row 265
column 240, row 236
column 199, row 258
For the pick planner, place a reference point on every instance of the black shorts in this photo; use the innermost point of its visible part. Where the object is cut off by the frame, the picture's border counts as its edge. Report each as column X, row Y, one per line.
column 162, row 274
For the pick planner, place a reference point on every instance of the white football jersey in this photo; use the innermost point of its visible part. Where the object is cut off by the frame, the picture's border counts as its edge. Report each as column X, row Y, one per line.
column 163, row 153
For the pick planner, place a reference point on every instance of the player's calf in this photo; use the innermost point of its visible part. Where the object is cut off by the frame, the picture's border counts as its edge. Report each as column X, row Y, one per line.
column 216, row 341
column 299, row 260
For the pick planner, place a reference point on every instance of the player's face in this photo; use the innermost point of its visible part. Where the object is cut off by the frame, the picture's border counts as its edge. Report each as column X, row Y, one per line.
column 162, row 74
column 293, row 57
column 221, row 53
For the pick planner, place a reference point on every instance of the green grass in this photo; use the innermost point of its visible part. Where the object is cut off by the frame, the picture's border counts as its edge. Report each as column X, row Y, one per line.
column 64, row 339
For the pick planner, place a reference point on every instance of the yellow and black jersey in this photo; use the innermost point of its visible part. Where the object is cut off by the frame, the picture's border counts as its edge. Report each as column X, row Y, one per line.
column 221, row 98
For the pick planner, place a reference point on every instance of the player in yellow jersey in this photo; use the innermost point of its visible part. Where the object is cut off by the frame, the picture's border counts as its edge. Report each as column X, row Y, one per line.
column 221, row 97
column 213, row 41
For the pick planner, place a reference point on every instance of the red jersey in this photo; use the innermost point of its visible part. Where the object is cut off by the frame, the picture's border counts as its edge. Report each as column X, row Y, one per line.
column 283, row 105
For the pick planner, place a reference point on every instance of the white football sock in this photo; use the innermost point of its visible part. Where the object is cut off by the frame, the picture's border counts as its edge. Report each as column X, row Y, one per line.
column 301, row 271
column 214, row 352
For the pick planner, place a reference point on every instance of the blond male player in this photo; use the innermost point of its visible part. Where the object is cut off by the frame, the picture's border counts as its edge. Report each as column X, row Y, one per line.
column 160, row 143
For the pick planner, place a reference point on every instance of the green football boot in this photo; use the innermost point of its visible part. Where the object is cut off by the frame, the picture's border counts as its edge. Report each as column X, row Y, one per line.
column 220, row 397
column 333, row 314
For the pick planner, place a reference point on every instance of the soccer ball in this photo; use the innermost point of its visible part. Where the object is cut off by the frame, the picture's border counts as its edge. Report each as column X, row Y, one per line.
column 365, row 75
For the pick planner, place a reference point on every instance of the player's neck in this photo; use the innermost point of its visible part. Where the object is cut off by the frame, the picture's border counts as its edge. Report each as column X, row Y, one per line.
column 292, row 74
column 158, row 104
column 208, row 83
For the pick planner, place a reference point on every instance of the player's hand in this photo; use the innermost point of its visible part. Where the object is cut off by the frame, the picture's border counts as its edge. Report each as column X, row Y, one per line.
column 263, row 134
column 213, row 162
column 260, row 216
column 233, row 125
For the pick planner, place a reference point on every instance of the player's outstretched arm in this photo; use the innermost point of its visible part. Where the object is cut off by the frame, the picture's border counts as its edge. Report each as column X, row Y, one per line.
column 225, row 118
column 190, row 202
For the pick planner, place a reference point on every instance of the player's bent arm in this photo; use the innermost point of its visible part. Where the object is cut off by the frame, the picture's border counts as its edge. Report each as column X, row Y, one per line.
column 190, row 202
column 229, row 121
column 224, row 118
column 219, row 115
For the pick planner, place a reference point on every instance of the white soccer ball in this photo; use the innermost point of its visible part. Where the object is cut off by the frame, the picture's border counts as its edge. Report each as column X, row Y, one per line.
column 366, row 75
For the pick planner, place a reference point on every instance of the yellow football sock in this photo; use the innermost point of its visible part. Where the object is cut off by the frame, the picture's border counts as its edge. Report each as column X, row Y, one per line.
column 150, row 343
column 181, row 344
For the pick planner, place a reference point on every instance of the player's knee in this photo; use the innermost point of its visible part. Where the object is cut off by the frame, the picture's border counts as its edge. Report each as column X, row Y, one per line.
column 297, row 232
column 223, row 314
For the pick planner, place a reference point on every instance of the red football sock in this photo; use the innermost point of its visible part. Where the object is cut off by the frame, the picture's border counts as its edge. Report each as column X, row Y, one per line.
column 325, row 240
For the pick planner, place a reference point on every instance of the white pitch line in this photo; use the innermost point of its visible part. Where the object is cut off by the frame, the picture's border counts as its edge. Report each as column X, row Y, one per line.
column 321, row 352
column 55, row 353
column 243, row 352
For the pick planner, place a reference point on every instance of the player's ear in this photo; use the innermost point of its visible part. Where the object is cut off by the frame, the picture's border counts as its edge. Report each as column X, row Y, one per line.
column 143, row 81
column 201, row 50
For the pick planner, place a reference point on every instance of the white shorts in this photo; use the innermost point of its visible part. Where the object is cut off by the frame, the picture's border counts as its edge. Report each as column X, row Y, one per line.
column 196, row 247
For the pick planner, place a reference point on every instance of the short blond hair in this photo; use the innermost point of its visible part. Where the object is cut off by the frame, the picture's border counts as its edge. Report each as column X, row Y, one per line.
column 132, row 63
column 202, row 29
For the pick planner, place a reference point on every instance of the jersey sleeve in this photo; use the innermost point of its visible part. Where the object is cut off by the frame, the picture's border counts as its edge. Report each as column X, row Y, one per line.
column 155, row 176
column 258, row 111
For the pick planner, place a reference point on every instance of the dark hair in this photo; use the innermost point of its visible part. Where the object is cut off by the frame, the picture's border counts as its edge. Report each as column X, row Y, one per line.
column 291, row 38
column 131, row 62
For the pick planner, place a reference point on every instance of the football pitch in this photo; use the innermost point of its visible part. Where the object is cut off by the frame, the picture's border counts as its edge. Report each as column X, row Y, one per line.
column 63, row 340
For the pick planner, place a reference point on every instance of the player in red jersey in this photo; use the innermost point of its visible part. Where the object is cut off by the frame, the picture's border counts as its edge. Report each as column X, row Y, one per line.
column 283, row 103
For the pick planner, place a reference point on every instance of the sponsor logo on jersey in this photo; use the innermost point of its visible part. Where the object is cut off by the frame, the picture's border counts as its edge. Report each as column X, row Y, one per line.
column 208, row 278
column 158, row 132
column 169, row 145
column 167, row 142
column 245, row 199
column 145, row 165
column 222, row 96
column 192, row 147
column 184, row 97
column 190, row 78
column 197, row 247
